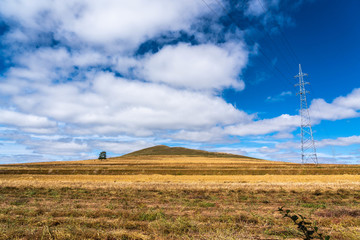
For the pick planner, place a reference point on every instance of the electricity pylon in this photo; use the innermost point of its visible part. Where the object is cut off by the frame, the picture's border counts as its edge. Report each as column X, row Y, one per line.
column 308, row 150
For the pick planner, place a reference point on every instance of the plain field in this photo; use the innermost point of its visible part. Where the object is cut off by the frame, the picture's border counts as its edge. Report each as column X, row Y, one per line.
column 176, row 197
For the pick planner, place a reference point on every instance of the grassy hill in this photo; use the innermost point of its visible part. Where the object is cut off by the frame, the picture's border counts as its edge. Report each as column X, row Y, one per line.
column 179, row 151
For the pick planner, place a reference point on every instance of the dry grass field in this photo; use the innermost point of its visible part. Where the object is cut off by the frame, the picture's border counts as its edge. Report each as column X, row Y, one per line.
column 185, row 196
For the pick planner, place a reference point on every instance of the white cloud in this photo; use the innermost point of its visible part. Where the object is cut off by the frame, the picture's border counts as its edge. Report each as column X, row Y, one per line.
column 352, row 100
column 287, row 145
column 120, row 18
column 114, row 105
column 121, row 22
column 215, row 134
column 256, row 8
column 198, row 67
column 340, row 141
column 282, row 135
column 54, row 82
column 38, row 68
column 286, row 93
column 41, row 65
column 30, row 122
column 279, row 97
column 64, row 148
column 267, row 150
column 321, row 110
column 282, row 123
column 341, row 107
column 121, row 147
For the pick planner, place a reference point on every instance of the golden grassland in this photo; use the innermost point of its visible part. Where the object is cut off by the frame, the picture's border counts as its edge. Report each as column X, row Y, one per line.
column 176, row 197
column 178, row 165
column 115, row 180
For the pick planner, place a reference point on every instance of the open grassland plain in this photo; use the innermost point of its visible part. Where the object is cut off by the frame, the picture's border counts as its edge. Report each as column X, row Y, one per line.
column 178, row 165
column 176, row 197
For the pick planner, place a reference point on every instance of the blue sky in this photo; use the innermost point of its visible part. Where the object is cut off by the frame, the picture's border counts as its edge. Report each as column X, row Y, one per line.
column 80, row 77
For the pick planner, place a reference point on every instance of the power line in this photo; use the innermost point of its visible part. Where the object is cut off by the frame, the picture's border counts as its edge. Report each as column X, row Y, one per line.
column 271, row 39
column 254, row 43
column 209, row 7
column 287, row 43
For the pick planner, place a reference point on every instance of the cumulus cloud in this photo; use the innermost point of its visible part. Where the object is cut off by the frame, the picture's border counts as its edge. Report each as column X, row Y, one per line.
column 28, row 122
column 117, row 147
column 267, row 150
column 114, row 105
column 341, row 141
column 68, row 78
column 352, row 100
column 256, row 8
column 215, row 134
column 198, row 67
column 120, row 18
column 284, row 122
column 321, row 110
column 124, row 23
column 60, row 147
column 341, row 107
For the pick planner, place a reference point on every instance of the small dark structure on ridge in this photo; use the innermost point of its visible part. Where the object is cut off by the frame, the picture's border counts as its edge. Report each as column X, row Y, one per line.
column 102, row 155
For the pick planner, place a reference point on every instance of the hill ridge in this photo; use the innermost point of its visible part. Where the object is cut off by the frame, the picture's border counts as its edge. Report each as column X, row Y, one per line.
column 162, row 150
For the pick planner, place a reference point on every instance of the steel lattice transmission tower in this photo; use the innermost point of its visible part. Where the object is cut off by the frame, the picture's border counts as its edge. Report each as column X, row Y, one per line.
column 308, row 150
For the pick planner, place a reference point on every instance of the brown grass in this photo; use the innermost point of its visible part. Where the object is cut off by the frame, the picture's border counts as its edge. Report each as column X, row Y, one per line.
column 155, row 211
column 185, row 205
column 178, row 165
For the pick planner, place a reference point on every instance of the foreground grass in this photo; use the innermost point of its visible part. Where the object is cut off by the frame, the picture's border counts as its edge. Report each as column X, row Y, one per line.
column 176, row 197
column 174, row 210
